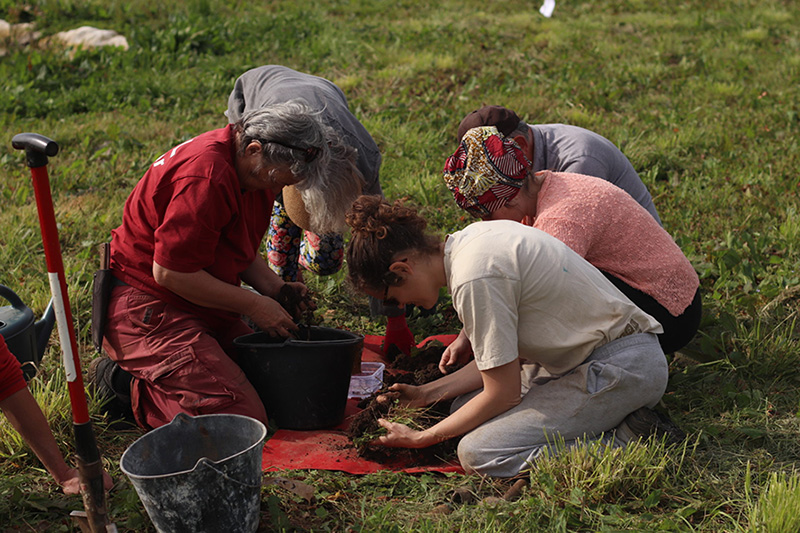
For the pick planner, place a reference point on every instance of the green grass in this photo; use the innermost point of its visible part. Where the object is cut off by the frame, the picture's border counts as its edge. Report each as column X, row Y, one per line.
column 778, row 507
column 702, row 97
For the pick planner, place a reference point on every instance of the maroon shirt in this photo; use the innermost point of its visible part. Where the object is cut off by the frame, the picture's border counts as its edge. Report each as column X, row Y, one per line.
column 188, row 213
column 11, row 378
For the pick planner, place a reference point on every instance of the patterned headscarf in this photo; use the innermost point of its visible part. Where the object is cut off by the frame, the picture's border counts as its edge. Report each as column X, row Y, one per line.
column 486, row 171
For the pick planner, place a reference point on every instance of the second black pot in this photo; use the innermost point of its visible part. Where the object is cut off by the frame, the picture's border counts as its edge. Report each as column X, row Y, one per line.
column 302, row 381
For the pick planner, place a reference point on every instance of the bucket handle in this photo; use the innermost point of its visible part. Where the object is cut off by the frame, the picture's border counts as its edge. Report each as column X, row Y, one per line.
column 205, row 461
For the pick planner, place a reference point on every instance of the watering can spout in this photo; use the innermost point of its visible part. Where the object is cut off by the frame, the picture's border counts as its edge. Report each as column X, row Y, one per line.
column 44, row 327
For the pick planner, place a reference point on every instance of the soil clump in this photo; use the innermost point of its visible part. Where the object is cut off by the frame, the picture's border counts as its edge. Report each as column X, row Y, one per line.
column 417, row 368
column 297, row 304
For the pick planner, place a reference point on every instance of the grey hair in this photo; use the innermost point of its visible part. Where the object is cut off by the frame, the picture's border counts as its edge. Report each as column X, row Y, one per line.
column 286, row 132
column 329, row 200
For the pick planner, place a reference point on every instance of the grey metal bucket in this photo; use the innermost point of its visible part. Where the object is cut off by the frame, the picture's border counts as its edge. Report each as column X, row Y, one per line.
column 199, row 474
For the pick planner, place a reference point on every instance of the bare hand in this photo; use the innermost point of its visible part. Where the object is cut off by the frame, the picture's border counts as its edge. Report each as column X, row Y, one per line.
column 406, row 395
column 457, row 354
column 294, row 297
column 71, row 483
column 401, row 436
column 272, row 318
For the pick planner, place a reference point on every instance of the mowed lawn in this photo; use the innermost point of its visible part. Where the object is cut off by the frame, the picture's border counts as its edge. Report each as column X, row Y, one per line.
column 702, row 96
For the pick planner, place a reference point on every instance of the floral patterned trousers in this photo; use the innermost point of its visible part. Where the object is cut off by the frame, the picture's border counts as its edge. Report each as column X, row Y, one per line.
column 289, row 247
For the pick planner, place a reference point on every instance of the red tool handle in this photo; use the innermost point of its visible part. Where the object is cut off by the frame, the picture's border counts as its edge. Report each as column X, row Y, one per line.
column 37, row 149
column 58, row 288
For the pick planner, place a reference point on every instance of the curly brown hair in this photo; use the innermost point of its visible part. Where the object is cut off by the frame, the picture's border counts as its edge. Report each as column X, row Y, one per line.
column 380, row 231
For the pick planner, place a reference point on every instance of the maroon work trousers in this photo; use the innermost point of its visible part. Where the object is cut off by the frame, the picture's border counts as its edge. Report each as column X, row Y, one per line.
column 178, row 364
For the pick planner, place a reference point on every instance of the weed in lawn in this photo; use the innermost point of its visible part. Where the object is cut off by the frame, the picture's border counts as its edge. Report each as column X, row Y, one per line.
column 778, row 507
column 30, row 501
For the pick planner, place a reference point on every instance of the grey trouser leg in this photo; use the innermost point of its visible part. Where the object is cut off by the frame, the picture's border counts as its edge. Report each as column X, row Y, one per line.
column 615, row 380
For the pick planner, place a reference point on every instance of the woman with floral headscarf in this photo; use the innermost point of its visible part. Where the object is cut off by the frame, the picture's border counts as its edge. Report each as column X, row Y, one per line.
column 492, row 179
column 561, row 355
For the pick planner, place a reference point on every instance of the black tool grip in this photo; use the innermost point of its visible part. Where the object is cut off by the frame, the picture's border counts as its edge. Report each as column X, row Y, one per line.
column 37, row 148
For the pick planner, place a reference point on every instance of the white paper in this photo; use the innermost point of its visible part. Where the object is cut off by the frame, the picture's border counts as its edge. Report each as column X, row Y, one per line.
column 547, row 8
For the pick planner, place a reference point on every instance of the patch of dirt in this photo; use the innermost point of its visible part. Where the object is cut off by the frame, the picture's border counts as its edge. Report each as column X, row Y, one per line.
column 422, row 362
column 418, row 368
column 419, row 357
column 364, row 427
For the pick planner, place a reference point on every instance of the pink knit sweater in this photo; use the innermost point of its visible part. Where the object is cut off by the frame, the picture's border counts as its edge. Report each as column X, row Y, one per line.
column 606, row 226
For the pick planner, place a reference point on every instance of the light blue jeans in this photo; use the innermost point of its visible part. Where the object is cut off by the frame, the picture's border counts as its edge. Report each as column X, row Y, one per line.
column 592, row 399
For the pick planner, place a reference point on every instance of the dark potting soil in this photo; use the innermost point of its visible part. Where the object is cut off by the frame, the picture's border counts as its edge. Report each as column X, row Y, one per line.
column 430, row 354
column 418, row 368
column 293, row 301
column 365, row 424
column 422, row 363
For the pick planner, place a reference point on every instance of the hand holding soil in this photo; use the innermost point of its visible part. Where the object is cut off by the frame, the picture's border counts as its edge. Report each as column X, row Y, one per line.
column 294, row 297
column 401, row 436
column 394, row 420
column 405, row 395
column 272, row 318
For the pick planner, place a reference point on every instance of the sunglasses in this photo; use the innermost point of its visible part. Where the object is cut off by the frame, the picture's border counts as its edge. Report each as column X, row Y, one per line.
column 308, row 154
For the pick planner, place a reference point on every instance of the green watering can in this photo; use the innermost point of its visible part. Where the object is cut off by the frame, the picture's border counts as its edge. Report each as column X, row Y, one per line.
column 25, row 336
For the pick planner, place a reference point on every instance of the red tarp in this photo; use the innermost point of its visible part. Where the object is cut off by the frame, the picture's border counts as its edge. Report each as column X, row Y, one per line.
column 330, row 449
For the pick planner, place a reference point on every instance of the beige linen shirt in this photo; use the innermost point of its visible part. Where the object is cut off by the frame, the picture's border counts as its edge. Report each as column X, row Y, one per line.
column 521, row 293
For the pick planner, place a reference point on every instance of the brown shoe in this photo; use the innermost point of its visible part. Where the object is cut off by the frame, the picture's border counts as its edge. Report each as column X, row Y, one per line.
column 644, row 423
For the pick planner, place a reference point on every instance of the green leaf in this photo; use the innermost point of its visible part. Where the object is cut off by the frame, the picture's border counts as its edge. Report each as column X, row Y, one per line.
column 755, row 433
column 653, row 499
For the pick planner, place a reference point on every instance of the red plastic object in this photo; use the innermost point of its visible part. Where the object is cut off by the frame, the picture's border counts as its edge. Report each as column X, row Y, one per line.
column 398, row 334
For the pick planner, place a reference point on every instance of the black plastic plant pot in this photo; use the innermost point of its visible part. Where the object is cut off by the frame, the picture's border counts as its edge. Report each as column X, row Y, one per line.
column 303, row 381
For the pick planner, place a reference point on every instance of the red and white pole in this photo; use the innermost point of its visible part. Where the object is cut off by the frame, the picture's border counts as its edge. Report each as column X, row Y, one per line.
column 90, row 468
column 58, row 288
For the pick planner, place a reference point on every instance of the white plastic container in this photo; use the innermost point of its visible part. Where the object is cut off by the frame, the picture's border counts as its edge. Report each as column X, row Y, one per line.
column 367, row 381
